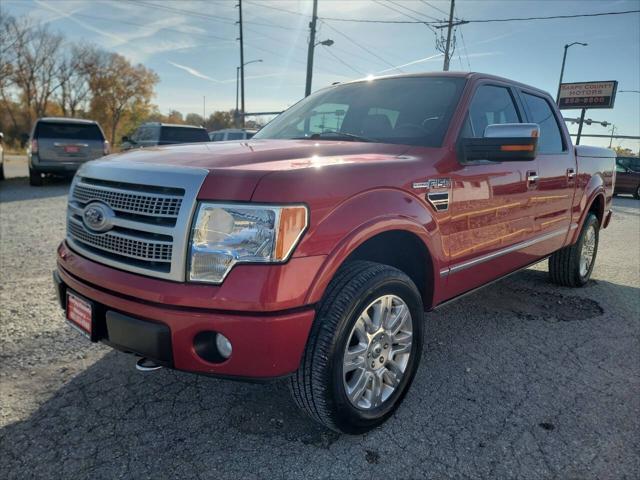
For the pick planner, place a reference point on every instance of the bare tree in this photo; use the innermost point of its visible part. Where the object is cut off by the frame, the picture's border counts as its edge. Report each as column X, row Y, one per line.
column 35, row 65
column 73, row 79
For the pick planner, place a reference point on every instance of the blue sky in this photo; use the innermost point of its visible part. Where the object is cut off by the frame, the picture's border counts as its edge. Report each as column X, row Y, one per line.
column 195, row 51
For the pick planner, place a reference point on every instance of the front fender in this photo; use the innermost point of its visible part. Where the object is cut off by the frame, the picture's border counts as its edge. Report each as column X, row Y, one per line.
column 362, row 217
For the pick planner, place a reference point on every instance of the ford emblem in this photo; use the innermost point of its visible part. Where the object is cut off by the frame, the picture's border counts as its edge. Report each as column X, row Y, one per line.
column 97, row 217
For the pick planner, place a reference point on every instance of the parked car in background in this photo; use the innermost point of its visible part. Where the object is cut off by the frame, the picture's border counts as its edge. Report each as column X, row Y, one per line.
column 231, row 134
column 627, row 180
column 61, row 145
column 631, row 163
column 155, row 134
column 1, row 156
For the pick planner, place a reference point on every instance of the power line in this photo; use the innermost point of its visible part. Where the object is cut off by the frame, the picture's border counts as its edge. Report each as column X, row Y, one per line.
column 434, row 7
column 118, row 21
column 413, row 11
column 335, row 57
column 379, row 2
column 270, row 7
column 482, row 20
column 464, row 47
column 217, row 18
column 373, row 54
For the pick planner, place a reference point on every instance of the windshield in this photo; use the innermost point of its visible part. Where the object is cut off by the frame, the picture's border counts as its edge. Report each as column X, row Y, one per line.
column 407, row 110
column 171, row 135
column 68, row 131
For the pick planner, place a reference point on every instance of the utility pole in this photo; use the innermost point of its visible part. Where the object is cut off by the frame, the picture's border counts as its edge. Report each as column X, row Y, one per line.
column 613, row 131
column 241, row 63
column 312, row 45
column 445, row 68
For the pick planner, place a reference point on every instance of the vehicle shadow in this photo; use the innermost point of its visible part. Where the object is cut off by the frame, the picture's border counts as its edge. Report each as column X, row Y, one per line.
column 18, row 189
column 492, row 372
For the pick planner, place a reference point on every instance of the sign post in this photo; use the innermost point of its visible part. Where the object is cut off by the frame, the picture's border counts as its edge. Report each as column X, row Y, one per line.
column 586, row 95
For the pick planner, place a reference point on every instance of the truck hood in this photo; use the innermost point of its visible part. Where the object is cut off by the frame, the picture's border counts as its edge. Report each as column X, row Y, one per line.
column 235, row 168
column 262, row 155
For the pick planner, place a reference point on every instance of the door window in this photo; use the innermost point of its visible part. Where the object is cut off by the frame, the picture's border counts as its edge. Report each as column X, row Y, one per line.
column 490, row 105
column 550, row 140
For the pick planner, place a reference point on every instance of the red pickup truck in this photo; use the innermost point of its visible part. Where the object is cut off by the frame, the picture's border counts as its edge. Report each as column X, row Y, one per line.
column 312, row 250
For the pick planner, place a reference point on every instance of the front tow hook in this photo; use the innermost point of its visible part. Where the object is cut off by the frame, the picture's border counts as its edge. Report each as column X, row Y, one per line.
column 146, row 365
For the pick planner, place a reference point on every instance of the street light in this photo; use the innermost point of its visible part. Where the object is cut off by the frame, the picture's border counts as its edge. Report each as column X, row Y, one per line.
column 564, row 59
column 327, row 43
column 238, row 83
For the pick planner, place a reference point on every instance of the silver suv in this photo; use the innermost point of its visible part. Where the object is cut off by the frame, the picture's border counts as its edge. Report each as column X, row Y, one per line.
column 61, row 145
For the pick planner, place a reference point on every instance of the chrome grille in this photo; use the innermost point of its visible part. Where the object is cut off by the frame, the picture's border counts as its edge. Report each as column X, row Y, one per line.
column 166, row 206
column 149, row 214
column 120, row 244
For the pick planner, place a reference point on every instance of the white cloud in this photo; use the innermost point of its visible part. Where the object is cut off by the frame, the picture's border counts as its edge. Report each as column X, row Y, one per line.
column 193, row 71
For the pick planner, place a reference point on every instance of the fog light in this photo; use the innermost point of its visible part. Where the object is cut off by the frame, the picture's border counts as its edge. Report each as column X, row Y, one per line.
column 224, row 345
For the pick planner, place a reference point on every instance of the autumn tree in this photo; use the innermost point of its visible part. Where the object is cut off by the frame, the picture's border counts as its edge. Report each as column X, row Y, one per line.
column 194, row 119
column 119, row 89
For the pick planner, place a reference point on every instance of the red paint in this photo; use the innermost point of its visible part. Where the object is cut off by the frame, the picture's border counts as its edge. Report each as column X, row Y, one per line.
column 354, row 191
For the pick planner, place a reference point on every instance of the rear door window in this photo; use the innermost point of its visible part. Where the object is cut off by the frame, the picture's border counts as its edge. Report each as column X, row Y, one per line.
column 491, row 105
column 235, row 136
column 170, row 135
column 68, row 131
column 550, row 140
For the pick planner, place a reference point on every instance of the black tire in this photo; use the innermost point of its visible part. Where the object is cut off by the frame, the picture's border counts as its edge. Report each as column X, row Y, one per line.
column 564, row 265
column 1, row 170
column 35, row 178
column 317, row 386
column 637, row 194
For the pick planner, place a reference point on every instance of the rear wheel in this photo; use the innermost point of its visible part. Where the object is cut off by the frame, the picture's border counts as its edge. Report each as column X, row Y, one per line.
column 35, row 178
column 363, row 350
column 637, row 194
column 572, row 265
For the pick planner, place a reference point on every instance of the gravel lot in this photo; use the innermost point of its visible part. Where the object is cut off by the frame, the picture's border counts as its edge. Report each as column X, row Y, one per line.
column 521, row 380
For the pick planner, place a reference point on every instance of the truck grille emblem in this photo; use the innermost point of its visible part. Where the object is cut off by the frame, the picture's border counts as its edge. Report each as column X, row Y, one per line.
column 97, row 216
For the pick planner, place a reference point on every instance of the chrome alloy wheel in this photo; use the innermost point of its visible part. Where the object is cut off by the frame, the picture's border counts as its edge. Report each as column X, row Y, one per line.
column 377, row 352
column 588, row 250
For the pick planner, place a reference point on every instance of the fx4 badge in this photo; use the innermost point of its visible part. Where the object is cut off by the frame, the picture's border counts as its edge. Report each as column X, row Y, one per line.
column 438, row 199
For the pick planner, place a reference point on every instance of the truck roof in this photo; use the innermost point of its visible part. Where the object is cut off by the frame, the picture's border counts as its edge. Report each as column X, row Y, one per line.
column 467, row 75
column 66, row 120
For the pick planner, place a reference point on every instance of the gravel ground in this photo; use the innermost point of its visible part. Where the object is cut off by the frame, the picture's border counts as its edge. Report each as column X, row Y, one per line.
column 521, row 380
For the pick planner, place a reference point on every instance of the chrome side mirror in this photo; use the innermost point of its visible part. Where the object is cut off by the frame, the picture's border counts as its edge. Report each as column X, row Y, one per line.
column 506, row 142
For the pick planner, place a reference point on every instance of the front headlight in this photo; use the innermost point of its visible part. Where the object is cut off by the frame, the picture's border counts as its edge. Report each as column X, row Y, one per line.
column 225, row 234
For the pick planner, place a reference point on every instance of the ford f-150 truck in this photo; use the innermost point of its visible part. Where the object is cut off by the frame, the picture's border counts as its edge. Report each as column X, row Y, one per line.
column 312, row 250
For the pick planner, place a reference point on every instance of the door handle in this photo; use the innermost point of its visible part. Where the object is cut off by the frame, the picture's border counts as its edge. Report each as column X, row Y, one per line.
column 532, row 178
column 571, row 173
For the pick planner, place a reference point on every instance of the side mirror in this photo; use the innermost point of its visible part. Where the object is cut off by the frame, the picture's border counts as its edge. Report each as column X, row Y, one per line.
column 507, row 142
column 124, row 139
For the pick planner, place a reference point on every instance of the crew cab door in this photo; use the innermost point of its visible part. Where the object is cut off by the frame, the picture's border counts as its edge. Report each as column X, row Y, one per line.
column 557, row 171
column 491, row 213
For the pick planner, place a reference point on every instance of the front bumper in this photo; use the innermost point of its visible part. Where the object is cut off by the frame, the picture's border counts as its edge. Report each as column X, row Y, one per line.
column 265, row 345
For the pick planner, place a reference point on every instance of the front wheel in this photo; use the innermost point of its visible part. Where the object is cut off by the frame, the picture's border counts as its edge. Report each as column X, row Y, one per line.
column 363, row 350
column 572, row 265
column 637, row 194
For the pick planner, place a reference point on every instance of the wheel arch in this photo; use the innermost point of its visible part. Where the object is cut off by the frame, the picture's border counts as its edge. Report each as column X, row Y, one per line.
column 399, row 243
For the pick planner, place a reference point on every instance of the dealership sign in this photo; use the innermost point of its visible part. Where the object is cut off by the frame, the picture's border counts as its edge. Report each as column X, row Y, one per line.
column 587, row 94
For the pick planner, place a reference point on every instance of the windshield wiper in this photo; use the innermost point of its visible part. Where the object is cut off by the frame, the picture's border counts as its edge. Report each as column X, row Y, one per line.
column 340, row 135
